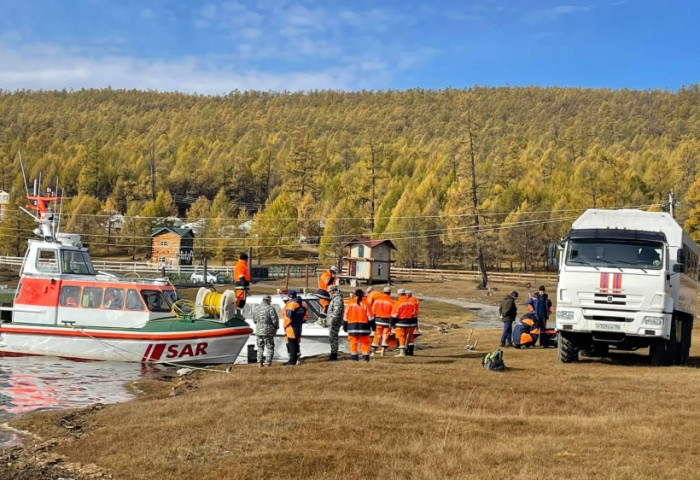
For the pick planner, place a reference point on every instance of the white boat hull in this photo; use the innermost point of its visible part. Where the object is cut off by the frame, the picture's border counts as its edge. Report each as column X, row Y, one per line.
column 97, row 345
column 314, row 341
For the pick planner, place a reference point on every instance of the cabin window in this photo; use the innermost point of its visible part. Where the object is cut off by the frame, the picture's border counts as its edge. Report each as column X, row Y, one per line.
column 69, row 296
column 155, row 301
column 361, row 251
column 161, row 259
column 163, row 243
column 114, row 298
column 133, row 300
column 76, row 262
column 92, row 297
column 46, row 261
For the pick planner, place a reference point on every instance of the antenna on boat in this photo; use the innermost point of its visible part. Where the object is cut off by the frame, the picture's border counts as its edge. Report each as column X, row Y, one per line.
column 24, row 175
column 60, row 208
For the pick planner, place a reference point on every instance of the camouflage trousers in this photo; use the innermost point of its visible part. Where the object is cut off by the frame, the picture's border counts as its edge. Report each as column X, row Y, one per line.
column 333, row 337
column 266, row 349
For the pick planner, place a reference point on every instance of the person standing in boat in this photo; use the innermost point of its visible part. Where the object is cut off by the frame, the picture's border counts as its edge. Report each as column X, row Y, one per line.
column 336, row 309
column 266, row 324
column 241, row 278
column 328, row 278
column 294, row 314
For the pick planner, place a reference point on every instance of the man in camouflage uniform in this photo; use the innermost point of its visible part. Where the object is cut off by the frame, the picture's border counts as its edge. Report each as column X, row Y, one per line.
column 334, row 318
column 266, row 324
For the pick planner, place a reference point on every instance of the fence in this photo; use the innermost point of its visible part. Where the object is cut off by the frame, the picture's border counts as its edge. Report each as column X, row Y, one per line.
column 180, row 274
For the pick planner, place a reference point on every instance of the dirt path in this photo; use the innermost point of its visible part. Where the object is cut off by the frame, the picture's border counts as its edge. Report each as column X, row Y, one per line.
column 486, row 315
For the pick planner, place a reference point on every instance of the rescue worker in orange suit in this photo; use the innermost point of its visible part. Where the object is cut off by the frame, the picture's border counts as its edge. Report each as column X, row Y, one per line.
column 402, row 318
column 359, row 325
column 328, row 278
column 370, row 295
column 381, row 310
column 241, row 277
column 540, row 306
column 294, row 314
column 526, row 331
column 416, row 330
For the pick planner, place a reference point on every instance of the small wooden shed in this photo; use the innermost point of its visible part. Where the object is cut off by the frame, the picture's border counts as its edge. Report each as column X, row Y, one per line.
column 172, row 246
column 369, row 260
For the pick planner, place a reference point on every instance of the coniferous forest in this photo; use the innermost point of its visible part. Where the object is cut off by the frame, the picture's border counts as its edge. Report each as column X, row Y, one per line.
column 442, row 173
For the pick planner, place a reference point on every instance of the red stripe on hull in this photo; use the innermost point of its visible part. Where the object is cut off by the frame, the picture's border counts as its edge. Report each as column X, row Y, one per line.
column 157, row 351
column 228, row 332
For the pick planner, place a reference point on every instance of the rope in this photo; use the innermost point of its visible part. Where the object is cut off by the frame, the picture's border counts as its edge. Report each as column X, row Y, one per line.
column 211, row 304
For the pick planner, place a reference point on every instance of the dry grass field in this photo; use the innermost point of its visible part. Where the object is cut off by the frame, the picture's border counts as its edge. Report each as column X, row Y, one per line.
column 434, row 416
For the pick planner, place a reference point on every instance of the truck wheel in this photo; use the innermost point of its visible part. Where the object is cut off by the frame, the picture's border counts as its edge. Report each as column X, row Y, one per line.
column 567, row 350
column 683, row 348
column 663, row 352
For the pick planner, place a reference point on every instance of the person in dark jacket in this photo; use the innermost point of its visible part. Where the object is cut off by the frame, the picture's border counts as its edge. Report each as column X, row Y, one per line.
column 294, row 314
column 508, row 311
column 541, row 307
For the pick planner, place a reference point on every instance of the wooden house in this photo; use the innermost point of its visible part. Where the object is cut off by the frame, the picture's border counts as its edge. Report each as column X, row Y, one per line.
column 172, row 246
column 369, row 260
column 4, row 201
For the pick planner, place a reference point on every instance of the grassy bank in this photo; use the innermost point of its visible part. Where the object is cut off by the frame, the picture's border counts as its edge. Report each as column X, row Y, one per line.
column 437, row 415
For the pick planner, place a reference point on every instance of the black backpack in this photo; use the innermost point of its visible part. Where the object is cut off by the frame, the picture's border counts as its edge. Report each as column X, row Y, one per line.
column 494, row 361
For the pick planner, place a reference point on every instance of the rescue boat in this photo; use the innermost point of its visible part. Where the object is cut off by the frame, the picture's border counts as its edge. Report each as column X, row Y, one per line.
column 63, row 308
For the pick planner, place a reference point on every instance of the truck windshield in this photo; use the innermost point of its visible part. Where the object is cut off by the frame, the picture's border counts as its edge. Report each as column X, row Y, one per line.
column 619, row 254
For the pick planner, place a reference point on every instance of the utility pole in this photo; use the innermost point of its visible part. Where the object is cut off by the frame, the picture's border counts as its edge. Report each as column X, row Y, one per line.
column 670, row 203
column 153, row 169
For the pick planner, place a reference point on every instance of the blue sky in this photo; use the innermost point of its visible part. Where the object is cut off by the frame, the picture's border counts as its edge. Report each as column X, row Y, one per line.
column 213, row 47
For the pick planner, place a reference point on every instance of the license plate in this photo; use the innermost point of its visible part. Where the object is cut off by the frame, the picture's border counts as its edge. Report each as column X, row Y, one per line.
column 607, row 326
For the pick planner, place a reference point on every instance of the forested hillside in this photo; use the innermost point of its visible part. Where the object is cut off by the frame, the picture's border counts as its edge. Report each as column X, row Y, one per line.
column 329, row 165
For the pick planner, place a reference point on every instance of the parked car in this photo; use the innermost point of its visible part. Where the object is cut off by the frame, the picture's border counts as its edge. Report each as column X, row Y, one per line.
column 198, row 277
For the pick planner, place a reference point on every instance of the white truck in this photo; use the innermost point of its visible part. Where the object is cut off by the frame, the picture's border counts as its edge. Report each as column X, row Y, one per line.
column 627, row 279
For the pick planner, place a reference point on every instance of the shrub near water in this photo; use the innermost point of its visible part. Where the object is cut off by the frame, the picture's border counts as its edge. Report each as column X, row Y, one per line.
column 434, row 416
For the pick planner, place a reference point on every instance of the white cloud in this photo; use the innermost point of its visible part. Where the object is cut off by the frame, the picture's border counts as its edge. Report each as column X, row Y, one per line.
column 51, row 67
column 551, row 14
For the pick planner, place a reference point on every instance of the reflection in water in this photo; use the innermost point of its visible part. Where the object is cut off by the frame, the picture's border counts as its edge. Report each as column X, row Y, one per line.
column 40, row 383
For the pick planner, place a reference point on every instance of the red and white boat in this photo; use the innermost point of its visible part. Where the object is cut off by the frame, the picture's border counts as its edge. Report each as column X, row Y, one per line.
column 62, row 307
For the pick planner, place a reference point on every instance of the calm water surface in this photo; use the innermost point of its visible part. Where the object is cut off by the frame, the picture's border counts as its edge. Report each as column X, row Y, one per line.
column 28, row 384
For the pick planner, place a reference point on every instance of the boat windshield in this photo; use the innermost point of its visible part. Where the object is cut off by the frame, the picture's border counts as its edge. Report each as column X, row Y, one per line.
column 172, row 296
column 76, row 262
column 618, row 254
column 155, row 300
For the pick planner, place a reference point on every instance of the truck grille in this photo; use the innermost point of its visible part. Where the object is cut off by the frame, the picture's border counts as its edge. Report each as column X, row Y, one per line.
column 613, row 301
column 605, row 318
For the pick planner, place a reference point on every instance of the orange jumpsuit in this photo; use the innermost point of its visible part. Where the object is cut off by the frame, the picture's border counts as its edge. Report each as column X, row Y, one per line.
column 241, row 278
column 402, row 314
column 357, row 318
column 241, row 268
column 327, row 279
column 381, row 309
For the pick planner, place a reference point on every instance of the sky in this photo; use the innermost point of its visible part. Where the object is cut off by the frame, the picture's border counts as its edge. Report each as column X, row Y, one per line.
column 215, row 47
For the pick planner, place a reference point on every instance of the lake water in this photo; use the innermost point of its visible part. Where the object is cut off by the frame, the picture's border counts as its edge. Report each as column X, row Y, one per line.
column 29, row 384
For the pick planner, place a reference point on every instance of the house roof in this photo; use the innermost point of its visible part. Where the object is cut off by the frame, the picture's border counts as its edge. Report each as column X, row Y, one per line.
column 181, row 232
column 371, row 242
